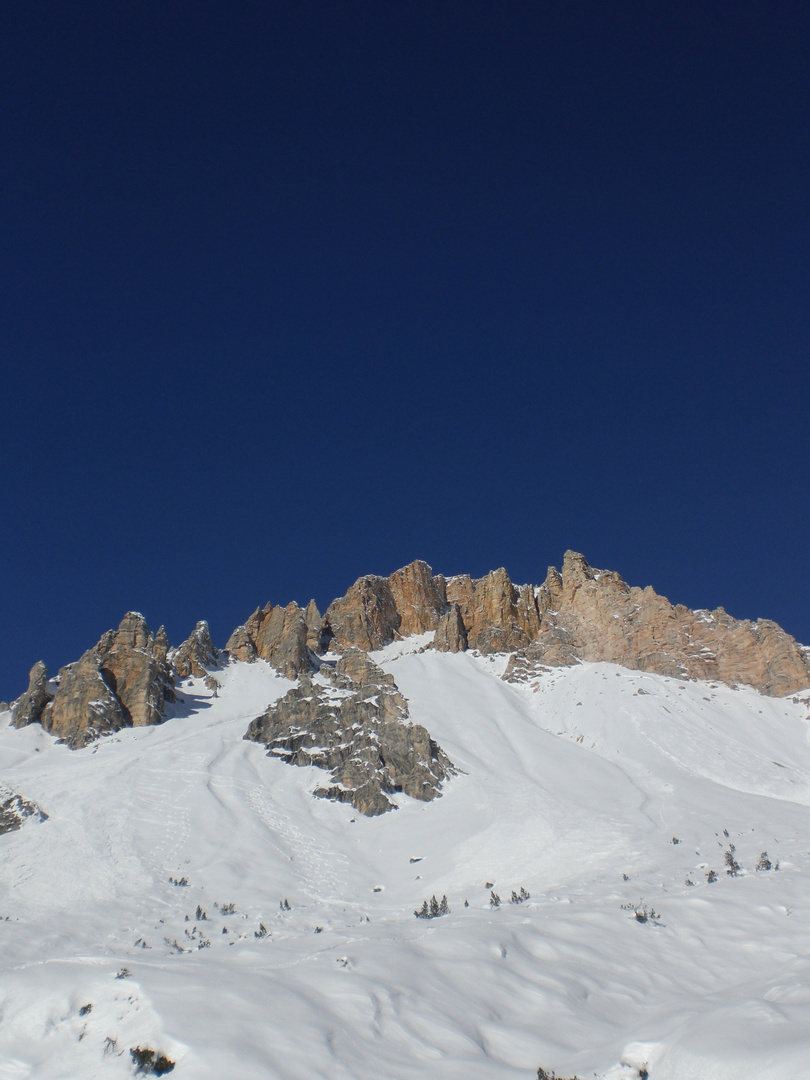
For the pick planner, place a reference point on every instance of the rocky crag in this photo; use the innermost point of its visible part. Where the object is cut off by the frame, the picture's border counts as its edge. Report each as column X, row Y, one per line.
column 14, row 810
column 592, row 615
column 576, row 615
column 352, row 721
column 196, row 657
column 123, row 681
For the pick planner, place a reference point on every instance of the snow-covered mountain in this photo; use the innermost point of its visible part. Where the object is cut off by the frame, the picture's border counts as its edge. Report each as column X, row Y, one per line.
column 175, row 887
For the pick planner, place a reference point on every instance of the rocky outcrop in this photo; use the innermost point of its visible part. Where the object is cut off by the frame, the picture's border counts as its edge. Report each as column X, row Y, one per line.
column 197, row 655
column 497, row 616
column 84, row 707
column 594, row 615
column 14, row 810
column 134, row 665
column 366, row 617
column 281, row 639
column 315, row 627
column 451, row 634
column 28, row 709
column 240, row 645
column 353, row 722
column 377, row 610
column 577, row 615
column 125, row 681
column 419, row 598
column 276, row 634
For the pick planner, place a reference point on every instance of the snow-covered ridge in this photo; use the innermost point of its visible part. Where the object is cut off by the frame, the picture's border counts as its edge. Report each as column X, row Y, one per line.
column 598, row 791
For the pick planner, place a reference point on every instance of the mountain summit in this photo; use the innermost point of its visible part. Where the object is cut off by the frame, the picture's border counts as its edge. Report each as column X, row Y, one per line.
column 452, row 828
column 576, row 615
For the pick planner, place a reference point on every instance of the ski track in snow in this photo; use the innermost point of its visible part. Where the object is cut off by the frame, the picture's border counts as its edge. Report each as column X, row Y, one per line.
column 596, row 789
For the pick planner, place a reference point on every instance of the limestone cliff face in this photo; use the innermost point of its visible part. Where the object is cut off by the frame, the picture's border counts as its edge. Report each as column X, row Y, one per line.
column 419, row 598
column 353, row 722
column 577, row 615
column 497, row 616
column 240, row 645
column 125, row 681
column 491, row 615
column 315, row 629
column 134, row 665
column 377, row 610
column 593, row 615
column 366, row 617
column 276, row 634
column 84, row 707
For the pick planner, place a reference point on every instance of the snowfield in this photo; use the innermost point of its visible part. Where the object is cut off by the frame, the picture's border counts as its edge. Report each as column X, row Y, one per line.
column 601, row 792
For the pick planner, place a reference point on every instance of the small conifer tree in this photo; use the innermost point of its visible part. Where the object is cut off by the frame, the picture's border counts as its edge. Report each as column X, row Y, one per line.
column 732, row 866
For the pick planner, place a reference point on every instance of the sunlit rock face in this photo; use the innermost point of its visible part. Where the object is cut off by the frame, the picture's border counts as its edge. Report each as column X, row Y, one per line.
column 497, row 616
column 276, row 634
column 124, row 681
column 593, row 615
column 578, row 614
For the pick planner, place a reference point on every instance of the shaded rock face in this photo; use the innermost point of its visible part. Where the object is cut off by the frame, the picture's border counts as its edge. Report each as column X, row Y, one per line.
column 594, row 615
column 451, row 634
column 315, row 627
column 29, row 708
column 276, row 634
column 197, row 655
column 14, row 810
column 353, row 722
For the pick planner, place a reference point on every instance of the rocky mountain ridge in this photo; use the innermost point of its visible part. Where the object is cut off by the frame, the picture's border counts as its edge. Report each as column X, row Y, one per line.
column 578, row 614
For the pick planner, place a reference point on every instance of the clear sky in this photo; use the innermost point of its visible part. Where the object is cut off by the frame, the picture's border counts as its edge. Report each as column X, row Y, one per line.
column 296, row 292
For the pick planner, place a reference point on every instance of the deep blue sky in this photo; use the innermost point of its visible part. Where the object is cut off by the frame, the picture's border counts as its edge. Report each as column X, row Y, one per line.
column 295, row 292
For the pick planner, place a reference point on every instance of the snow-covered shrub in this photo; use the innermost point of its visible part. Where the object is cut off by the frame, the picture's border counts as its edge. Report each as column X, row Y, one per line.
column 764, row 862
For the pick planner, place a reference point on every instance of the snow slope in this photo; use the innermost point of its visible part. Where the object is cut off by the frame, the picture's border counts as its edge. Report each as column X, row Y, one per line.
column 575, row 787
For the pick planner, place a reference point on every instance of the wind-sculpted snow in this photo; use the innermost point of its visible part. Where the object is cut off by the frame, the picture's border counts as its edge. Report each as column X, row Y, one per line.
column 188, row 895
